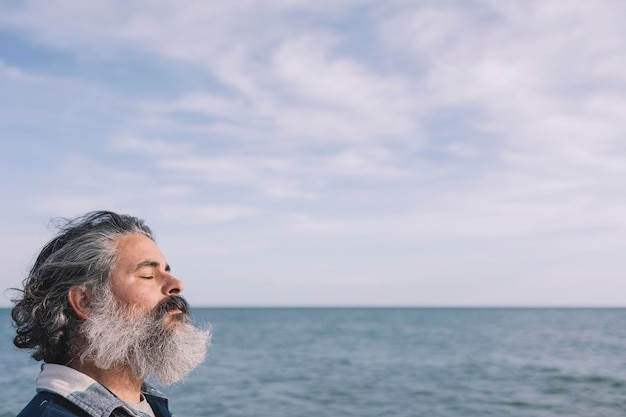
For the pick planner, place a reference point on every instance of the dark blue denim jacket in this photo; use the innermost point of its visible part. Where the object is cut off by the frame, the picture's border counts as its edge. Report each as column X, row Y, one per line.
column 64, row 392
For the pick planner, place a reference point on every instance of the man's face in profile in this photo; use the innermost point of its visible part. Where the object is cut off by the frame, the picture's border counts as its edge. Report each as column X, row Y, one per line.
column 142, row 322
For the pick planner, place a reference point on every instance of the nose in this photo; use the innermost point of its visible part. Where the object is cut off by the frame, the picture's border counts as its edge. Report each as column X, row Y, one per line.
column 173, row 286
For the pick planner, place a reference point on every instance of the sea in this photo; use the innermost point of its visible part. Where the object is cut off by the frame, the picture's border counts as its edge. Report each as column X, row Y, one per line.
column 392, row 362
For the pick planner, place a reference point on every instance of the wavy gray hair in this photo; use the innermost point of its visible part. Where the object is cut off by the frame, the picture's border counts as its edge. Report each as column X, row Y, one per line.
column 83, row 253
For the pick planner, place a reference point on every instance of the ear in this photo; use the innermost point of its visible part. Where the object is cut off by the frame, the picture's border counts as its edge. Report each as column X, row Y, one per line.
column 79, row 297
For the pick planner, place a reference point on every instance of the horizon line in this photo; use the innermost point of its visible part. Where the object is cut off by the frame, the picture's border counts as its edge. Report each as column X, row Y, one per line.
column 400, row 307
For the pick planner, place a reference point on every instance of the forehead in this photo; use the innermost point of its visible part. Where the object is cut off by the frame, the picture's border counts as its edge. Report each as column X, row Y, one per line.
column 134, row 248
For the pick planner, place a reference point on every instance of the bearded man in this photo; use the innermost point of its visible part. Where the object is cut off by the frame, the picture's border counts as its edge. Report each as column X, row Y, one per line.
column 102, row 310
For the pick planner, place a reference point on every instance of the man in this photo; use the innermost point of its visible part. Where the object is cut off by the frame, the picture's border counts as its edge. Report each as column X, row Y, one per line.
column 101, row 308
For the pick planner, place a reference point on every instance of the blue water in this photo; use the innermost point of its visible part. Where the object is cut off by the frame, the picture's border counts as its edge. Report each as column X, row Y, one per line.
column 390, row 362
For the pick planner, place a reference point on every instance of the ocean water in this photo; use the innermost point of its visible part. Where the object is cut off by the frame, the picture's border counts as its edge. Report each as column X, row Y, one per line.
column 390, row 362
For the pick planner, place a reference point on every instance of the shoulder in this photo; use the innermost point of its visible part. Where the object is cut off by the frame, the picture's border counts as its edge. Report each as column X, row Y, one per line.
column 48, row 404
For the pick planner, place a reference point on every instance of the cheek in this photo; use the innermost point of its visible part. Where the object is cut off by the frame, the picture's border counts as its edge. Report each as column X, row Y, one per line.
column 129, row 295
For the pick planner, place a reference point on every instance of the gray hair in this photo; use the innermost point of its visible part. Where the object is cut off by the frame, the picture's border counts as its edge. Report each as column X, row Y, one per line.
column 82, row 253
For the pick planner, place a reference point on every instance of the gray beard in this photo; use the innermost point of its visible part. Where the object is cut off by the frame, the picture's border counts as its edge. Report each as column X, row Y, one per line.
column 121, row 336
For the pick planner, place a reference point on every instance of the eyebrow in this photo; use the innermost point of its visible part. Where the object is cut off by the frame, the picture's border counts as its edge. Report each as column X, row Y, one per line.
column 152, row 264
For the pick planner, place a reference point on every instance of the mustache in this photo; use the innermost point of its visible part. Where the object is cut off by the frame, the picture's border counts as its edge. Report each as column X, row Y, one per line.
column 172, row 303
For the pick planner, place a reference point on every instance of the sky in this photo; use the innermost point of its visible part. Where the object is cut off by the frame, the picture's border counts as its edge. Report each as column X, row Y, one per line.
column 328, row 153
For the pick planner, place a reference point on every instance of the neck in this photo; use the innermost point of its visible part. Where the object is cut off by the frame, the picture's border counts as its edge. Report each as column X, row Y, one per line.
column 120, row 381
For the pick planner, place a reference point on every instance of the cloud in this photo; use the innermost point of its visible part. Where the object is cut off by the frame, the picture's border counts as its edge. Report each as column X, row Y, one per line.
column 185, row 214
column 197, row 33
column 341, row 92
column 134, row 144
column 226, row 170
column 71, row 206
column 272, row 176
column 368, row 164
column 304, row 223
column 306, row 94
column 17, row 74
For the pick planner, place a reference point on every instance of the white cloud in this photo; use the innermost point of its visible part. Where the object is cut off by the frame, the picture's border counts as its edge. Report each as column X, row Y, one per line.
column 333, row 98
column 70, row 205
column 17, row 74
column 369, row 164
column 272, row 176
column 225, row 170
column 187, row 214
column 304, row 223
column 134, row 144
